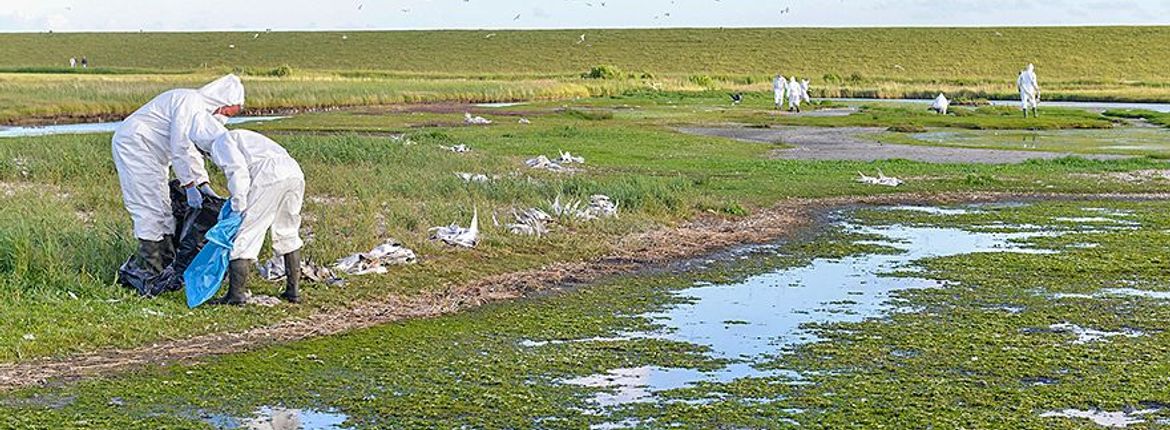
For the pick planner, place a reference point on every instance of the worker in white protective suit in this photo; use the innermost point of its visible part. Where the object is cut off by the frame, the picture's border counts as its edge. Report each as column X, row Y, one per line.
column 941, row 104
column 156, row 137
column 778, row 84
column 795, row 95
column 1029, row 91
column 268, row 189
column 804, row 84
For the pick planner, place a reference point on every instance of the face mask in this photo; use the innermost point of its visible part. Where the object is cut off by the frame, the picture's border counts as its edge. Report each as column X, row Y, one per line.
column 223, row 119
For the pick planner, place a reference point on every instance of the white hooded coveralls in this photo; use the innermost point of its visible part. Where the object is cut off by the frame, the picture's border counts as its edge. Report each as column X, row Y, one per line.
column 778, row 84
column 941, row 104
column 156, row 137
column 267, row 186
column 1029, row 87
column 795, row 93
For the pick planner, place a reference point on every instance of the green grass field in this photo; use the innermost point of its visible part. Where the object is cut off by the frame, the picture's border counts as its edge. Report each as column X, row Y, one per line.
column 63, row 229
column 953, row 358
column 315, row 70
column 1102, row 54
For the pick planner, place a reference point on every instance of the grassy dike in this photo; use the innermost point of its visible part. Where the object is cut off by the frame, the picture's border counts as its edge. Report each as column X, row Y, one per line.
column 321, row 70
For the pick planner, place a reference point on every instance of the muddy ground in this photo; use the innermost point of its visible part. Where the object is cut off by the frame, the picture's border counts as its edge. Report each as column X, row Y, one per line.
column 850, row 144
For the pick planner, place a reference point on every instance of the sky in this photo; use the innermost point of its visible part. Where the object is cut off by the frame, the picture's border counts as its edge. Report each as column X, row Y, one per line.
column 207, row 15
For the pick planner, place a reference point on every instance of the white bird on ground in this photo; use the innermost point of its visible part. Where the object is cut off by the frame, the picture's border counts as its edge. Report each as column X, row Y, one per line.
column 601, row 206
column 455, row 235
column 475, row 120
column 881, row 179
column 458, row 149
column 581, row 40
column 568, row 158
column 489, row 36
column 531, row 222
column 570, row 209
column 387, row 254
column 470, row 177
column 542, row 162
column 525, row 121
column 941, row 104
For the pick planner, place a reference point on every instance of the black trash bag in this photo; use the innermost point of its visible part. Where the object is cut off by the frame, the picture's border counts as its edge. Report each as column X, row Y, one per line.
column 190, row 227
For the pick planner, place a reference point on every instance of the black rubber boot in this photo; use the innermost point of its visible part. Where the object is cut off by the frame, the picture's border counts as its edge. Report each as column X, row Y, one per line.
column 167, row 250
column 150, row 255
column 292, row 282
column 237, row 283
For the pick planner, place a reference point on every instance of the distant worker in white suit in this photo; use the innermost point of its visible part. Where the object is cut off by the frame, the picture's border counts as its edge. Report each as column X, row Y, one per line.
column 778, row 84
column 795, row 95
column 156, row 138
column 1029, row 88
column 941, row 104
column 804, row 84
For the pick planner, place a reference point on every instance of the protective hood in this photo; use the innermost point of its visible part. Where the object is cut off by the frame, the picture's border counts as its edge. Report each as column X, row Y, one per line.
column 206, row 129
column 1031, row 68
column 225, row 91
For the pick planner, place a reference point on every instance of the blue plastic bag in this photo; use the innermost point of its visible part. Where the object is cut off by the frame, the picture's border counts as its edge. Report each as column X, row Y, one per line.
column 205, row 274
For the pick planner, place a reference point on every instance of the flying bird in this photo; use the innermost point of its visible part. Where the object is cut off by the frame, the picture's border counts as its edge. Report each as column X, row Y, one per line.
column 517, row 18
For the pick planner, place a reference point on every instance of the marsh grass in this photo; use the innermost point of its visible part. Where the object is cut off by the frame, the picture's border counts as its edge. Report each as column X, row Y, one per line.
column 63, row 229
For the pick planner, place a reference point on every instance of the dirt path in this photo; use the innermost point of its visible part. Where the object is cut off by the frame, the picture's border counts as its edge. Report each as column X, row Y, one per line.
column 637, row 252
column 846, row 143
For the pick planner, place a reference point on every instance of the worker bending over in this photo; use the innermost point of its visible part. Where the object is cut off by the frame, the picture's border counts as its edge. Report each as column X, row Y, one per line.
column 268, row 189
column 156, row 137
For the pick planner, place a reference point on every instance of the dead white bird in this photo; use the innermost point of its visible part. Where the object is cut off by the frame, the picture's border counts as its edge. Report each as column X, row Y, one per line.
column 389, row 253
column 531, row 222
column 458, row 149
column 568, row 158
column 601, row 206
column 525, row 121
column 475, row 120
column 274, row 270
column 402, row 139
column 542, row 162
column 489, row 36
column 455, row 235
column 569, row 210
column 581, row 40
column 881, row 179
column 470, row 177
column 941, row 104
